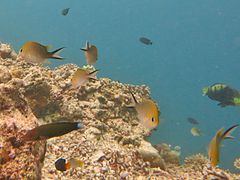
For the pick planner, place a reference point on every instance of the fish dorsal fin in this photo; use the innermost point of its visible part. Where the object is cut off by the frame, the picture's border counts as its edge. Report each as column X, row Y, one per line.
column 227, row 135
column 86, row 48
column 87, row 45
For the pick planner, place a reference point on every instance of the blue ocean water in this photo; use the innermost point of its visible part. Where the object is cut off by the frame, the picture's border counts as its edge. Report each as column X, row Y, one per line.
column 195, row 44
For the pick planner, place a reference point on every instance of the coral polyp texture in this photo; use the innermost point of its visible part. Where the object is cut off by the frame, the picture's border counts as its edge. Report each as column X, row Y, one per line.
column 112, row 143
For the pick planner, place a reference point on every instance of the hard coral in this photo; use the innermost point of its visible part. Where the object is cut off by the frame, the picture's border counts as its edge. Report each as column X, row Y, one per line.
column 237, row 163
column 196, row 162
column 6, row 51
column 170, row 156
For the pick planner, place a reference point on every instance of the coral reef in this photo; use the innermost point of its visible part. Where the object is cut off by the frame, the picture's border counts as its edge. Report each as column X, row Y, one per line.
column 18, row 160
column 237, row 163
column 170, row 156
column 111, row 144
column 6, row 51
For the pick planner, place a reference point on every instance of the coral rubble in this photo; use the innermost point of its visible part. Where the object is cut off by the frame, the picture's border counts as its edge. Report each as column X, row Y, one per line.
column 112, row 143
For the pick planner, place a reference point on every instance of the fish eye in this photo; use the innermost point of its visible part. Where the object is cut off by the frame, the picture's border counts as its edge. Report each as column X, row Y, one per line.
column 20, row 50
column 152, row 119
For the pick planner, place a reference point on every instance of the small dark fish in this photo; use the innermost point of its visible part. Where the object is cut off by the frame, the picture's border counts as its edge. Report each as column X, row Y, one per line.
column 65, row 11
column 47, row 131
column 145, row 41
column 192, row 120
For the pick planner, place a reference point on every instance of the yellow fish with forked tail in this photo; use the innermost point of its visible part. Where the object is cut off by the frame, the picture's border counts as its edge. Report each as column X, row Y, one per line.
column 82, row 76
column 37, row 53
column 91, row 53
column 214, row 146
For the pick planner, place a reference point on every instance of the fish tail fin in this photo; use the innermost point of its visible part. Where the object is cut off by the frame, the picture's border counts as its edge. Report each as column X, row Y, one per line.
column 86, row 47
column 80, row 163
column 80, row 125
column 54, row 54
column 227, row 133
column 83, row 49
column 134, row 101
column 133, row 97
column 93, row 73
column 87, row 44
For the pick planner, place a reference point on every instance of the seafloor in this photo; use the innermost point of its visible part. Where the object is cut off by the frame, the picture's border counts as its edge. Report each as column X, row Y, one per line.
column 112, row 143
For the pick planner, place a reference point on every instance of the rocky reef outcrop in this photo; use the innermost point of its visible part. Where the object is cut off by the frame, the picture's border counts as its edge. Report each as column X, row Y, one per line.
column 112, row 144
column 17, row 160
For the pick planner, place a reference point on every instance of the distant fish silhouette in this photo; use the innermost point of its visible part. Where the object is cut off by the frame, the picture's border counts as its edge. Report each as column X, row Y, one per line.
column 192, row 120
column 65, row 11
column 145, row 40
column 196, row 131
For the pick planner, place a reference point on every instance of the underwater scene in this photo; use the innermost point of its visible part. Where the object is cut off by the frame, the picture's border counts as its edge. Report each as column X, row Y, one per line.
column 119, row 89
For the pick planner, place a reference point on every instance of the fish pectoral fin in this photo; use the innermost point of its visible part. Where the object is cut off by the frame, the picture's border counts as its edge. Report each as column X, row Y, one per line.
column 229, row 137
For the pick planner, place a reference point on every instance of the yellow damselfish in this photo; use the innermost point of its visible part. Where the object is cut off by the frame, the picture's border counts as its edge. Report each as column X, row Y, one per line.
column 36, row 53
column 91, row 53
column 196, row 131
column 148, row 112
column 82, row 76
column 215, row 144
